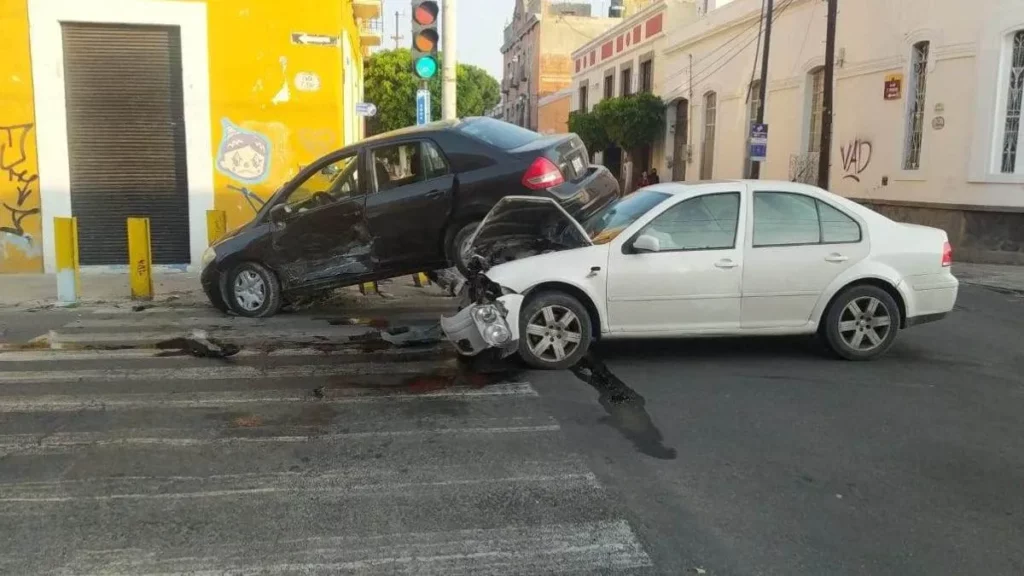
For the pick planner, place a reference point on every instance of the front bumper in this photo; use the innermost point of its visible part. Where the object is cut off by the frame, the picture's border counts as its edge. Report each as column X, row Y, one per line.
column 471, row 335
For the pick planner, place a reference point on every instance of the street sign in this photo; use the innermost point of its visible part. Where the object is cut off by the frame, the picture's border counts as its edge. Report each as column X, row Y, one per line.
column 314, row 39
column 423, row 107
column 758, row 142
column 366, row 109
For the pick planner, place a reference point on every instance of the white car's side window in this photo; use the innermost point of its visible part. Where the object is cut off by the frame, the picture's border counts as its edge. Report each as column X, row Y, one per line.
column 703, row 223
column 789, row 219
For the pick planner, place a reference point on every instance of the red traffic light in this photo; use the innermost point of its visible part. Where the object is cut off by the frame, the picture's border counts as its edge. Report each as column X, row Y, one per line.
column 425, row 13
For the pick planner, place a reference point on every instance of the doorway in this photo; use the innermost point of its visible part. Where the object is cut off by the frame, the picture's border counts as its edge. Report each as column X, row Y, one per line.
column 680, row 142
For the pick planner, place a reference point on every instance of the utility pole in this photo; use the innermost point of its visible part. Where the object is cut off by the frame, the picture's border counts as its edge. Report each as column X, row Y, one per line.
column 762, row 87
column 397, row 37
column 449, row 62
column 825, row 150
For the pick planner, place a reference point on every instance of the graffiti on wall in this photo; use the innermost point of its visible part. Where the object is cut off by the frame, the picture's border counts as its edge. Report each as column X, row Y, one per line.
column 22, row 181
column 244, row 156
column 856, row 156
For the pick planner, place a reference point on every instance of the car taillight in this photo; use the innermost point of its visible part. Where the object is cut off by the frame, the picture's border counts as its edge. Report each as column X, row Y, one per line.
column 947, row 255
column 542, row 174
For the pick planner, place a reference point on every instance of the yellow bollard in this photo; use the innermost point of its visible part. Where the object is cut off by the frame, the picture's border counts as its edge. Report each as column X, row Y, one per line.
column 216, row 225
column 65, row 240
column 368, row 288
column 420, row 280
column 140, row 259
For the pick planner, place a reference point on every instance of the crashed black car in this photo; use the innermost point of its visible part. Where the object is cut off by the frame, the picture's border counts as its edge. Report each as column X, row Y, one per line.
column 403, row 202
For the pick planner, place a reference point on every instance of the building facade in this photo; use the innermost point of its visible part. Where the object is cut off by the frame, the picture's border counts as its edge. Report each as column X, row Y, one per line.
column 553, row 112
column 166, row 109
column 927, row 108
column 537, row 49
column 627, row 59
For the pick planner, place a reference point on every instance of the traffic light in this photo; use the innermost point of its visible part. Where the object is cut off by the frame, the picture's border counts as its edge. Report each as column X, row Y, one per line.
column 425, row 38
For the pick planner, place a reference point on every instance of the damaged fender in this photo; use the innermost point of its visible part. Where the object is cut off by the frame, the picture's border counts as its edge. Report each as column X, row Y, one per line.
column 482, row 326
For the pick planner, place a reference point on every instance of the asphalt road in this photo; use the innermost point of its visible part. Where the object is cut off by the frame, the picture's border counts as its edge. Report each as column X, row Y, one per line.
column 302, row 455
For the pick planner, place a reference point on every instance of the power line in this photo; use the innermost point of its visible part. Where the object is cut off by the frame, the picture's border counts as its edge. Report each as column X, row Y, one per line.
column 757, row 50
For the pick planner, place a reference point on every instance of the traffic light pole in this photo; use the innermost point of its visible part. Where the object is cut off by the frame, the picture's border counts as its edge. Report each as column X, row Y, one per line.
column 448, row 61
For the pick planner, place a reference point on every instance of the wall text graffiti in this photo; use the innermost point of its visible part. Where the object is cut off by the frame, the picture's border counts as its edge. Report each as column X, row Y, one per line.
column 17, row 174
column 856, row 156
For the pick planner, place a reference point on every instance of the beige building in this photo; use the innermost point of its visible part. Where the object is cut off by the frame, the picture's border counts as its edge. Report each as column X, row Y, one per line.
column 628, row 59
column 537, row 53
column 553, row 112
column 927, row 108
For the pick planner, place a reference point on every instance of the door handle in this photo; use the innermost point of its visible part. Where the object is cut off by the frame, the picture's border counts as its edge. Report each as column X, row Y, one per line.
column 726, row 264
column 434, row 193
column 836, row 258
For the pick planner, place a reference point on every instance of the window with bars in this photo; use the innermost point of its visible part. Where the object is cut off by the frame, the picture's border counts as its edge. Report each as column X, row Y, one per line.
column 707, row 152
column 753, row 103
column 1015, row 95
column 817, row 107
column 916, row 92
column 627, row 81
column 609, row 86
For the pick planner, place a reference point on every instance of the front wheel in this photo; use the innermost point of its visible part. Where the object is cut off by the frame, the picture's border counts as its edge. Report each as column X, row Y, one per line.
column 458, row 249
column 554, row 331
column 862, row 323
column 253, row 291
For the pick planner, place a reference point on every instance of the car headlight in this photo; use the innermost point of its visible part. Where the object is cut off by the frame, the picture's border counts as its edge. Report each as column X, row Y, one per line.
column 486, row 314
column 497, row 334
column 209, row 256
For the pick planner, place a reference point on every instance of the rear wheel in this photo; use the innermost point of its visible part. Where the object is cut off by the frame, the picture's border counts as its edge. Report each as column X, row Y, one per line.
column 253, row 291
column 457, row 249
column 862, row 323
column 554, row 331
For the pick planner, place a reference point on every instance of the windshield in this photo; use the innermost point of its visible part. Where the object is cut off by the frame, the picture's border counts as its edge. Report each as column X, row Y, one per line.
column 604, row 226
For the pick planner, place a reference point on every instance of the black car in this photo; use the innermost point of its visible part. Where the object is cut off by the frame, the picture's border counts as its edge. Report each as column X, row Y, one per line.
column 399, row 203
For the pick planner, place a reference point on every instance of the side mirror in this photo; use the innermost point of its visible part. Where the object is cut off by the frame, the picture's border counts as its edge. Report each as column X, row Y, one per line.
column 279, row 213
column 646, row 243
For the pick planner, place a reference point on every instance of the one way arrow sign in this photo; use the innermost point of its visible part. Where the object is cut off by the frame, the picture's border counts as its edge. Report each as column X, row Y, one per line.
column 314, row 39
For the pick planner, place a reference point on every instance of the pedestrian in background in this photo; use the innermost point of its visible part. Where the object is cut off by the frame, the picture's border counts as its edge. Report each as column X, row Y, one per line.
column 653, row 177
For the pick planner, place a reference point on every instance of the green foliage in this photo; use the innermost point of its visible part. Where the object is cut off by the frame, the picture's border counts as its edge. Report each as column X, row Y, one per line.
column 391, row 85
column 632, row 121
column 588, row 127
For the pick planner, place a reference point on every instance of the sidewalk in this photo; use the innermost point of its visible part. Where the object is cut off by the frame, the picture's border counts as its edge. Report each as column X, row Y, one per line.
column 182, row 289
column 995, row 276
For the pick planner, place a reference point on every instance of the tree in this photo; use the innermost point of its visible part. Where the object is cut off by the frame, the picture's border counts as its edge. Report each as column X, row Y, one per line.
column 588, row 127
column 632, row 121
column 391, row 86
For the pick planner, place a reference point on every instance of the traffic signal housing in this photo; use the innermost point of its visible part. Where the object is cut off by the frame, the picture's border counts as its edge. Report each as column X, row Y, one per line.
column 425, row 38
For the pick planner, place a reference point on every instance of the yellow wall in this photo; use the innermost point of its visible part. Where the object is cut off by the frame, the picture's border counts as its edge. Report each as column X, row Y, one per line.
column 257, row 108
column 20, row 227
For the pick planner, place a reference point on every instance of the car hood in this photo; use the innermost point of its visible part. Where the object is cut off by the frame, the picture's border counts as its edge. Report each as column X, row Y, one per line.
column 522, row 226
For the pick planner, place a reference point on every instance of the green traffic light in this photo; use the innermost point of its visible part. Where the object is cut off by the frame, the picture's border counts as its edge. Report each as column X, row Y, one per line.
column 426, row 67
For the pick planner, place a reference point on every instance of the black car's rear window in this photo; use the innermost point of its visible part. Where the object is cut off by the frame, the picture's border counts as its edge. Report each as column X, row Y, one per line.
column 497, row 133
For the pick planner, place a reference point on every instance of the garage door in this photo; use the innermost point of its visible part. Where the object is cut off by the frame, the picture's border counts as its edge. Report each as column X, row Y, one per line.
column 126, row 139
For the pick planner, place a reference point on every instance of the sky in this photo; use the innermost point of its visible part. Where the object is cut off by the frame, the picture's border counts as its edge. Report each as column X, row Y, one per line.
column 481, row 25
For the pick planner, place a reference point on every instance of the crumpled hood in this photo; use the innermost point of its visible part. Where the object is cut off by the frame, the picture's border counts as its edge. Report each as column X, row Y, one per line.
column 522, row 226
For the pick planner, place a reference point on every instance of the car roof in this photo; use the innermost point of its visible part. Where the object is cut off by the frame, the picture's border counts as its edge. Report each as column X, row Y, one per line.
column 676, row 188
column 419, row 130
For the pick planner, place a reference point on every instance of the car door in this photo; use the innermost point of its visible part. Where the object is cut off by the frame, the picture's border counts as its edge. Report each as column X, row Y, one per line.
column 799, row 244
column 320, row 234
column 692, row 282
column 409, row 201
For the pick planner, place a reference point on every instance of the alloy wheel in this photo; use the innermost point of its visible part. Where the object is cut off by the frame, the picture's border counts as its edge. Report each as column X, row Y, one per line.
column 554, row 333
column 865, row 323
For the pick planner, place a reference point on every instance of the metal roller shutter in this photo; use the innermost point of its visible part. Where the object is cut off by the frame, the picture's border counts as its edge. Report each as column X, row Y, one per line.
column 126, row 139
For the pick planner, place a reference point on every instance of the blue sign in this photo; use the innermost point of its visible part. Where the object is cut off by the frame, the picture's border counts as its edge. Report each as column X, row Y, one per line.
column 758, row 142
column 423, row 107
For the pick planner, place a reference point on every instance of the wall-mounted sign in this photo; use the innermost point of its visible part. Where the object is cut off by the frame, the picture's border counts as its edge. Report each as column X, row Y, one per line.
column 366, row 109
column 758, row 142
column 307, row 82
column 893, row 86
column 938, row 123
column 314, row 39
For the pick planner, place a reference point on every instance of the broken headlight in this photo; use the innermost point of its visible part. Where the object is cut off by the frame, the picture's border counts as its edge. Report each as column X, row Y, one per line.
column 489, row 319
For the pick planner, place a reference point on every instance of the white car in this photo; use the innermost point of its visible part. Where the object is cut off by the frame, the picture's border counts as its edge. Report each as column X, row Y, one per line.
column 706, row 259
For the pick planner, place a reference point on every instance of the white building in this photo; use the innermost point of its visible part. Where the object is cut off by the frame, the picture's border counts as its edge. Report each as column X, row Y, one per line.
column 926, row 112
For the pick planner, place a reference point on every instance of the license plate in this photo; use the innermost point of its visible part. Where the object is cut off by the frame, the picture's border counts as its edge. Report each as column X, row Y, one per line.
column 577, row 165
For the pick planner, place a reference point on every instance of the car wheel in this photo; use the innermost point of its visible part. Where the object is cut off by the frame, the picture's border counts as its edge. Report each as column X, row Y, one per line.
column 554, row 331
column 253, row 291
column 862, row 323
column 458, row 251
column 216, row 298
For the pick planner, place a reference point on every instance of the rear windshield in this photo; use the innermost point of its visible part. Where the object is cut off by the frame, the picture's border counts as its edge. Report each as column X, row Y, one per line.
column 497, row 133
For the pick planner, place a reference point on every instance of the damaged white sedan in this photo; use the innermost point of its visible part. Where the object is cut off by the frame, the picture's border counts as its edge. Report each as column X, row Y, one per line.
column 708, row 259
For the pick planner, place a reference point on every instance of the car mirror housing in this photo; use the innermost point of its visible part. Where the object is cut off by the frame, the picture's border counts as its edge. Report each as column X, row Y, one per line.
column 646, row 243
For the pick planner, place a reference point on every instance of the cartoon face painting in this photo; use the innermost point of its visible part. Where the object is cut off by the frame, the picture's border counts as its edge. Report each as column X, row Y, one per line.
column 243, row 155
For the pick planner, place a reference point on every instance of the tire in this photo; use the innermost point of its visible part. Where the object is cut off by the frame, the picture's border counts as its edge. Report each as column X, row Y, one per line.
column 253, row 291
column 547, row 313
column 216, row 298
column 862, row 323
column 454, row 246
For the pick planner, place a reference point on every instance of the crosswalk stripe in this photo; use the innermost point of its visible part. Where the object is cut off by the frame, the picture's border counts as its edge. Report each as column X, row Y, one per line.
column 59, row 355
column 219, row 372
